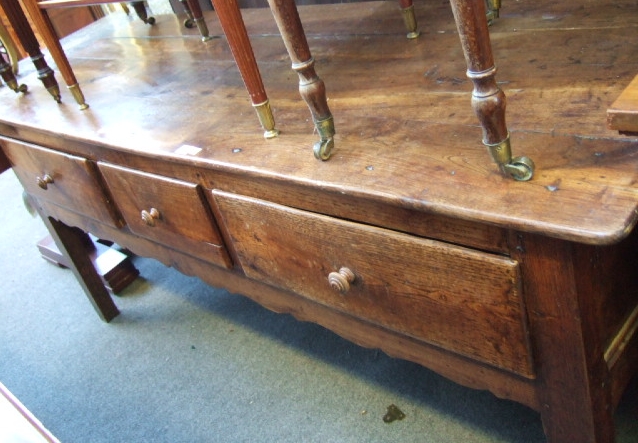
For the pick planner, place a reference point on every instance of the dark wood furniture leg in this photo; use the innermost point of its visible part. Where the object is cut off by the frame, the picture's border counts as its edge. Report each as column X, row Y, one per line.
column 45, row 28
column 22, row 28
column 114, row 267
column 488, row 100
column 311, row 87
column 574, row 378
column 72, row 242
column 235, row 30
column 140, row 9
column 6, row 72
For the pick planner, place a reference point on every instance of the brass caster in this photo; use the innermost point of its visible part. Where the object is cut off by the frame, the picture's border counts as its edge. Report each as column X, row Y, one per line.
column 272, row 133
column 323, row 149
column 520, row 168
column 15, row 87
column 413, row 35
column 189, row 23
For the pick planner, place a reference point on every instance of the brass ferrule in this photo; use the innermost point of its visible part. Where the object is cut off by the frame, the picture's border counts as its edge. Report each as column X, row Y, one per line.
column 78, row 96
column 55, row 93
column 203, row 29
column 501, row 152
column 325, row 128
column 410, row 21
column 264, row 113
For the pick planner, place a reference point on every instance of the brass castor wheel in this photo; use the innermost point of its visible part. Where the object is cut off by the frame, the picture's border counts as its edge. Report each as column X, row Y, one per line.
column 323, row 149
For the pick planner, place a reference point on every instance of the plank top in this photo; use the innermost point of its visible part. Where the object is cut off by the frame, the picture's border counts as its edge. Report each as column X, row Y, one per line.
column 406, row 133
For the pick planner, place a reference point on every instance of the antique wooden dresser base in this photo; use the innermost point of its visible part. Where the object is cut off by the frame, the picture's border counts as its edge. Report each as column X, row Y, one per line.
column 528, row 290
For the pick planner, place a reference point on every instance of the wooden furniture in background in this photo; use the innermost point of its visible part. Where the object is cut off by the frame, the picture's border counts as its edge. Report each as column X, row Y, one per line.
column 20, row 24
column 407, row 240
column 232, row 23
column 622, row 115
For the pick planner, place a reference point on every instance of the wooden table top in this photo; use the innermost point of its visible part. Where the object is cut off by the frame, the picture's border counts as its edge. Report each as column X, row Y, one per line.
column 406, row 133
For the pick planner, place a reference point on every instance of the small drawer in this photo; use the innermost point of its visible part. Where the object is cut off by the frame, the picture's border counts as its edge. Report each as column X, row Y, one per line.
column 166, row 210
column 462, row 300
column 63, row 179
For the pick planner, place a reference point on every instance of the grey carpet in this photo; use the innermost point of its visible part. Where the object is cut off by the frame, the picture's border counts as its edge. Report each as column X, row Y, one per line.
column 185, row 362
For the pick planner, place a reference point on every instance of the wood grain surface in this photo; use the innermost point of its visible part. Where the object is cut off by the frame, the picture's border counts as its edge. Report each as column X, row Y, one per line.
column 406, row 136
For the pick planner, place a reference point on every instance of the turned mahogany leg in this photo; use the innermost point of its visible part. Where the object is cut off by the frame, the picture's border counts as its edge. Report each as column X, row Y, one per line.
column 6, row 72
column 195, row 14
column 74, row 244
column 488, row 100
column 140, row 9
column 311, row 87
column 407, row 8
column 235, row 30
column 20, row 24
column 45, row 28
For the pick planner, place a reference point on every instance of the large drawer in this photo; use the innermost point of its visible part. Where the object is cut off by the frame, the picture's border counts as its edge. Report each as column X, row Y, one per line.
column 65, row 180
column 166, row 210
column 463, row 300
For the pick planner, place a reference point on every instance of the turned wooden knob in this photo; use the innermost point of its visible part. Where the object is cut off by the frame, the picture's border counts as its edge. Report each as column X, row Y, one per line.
column 149, row 217
column 44, row 181
column 340, row 281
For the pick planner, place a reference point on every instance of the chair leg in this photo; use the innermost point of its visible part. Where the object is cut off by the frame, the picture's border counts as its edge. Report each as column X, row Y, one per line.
column 488, row 100
column 140, row 9
column 6, row 72
column 20, row 24
column 311, row 87
column 407, row 9
column 194, row 12
column 234, row 28
column 44, row 27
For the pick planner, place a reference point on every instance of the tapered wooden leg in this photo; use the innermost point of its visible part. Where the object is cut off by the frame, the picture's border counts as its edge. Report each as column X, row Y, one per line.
column 20, row 24
column 488, row 100
column 44, row 27
column 194, row 12
column 311, row 87
column 140, row 9
column 235, row 30
column 74, row 244
column 409, row 18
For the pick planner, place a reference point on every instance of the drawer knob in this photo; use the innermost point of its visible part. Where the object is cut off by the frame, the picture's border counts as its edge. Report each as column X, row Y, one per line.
column 340, row 281
column 44, row 181
column 149, row 217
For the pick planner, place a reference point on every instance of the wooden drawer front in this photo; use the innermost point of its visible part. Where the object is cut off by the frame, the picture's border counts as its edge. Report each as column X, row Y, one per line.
column 463, row 300
column 63, row 179
column 169, row 211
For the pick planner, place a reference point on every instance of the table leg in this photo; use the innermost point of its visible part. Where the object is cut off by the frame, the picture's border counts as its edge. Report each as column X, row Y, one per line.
column 311, row 87
column 22, row 28
column 76, row 244
column 488, row 100
column 573, row 377
column 235, row 30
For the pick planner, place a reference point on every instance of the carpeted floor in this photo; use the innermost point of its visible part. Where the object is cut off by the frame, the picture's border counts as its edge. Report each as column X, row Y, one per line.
column 185, row 362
